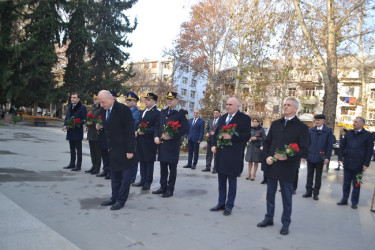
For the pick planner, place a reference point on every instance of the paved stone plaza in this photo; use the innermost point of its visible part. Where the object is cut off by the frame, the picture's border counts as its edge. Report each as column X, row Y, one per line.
column 43, row 206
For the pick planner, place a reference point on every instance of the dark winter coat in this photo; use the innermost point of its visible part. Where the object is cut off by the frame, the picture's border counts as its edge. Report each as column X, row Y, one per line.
column 320, row 144
column 79, row 111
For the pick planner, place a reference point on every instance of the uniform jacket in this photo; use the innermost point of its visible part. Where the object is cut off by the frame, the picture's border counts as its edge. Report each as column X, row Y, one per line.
column 92, row 134
column 230, row 158
column 320, row 141
column 211, row 128
column 120, row 138
column 356, row 149
column 146, row 146
column 80, row 112
column 135, row 114
column 279, row 136
column 169, row 151
column 196, row 132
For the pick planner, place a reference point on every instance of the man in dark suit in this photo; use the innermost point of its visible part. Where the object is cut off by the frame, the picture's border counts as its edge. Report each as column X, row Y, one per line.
column 230, row 158
column 169, row 147
column 75, row 135
column 145, row 141
column 284, row 131
column 320, row 150
column 211, row 128
column 356, row 151
column 118, row 126
column 92, row 137
column 194, row 138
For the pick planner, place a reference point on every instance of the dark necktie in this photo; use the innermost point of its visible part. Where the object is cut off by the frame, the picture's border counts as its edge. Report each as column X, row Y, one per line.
column 194, row 121
column 108, row 114
column 229, row 118
column 169, row 111
column 286, row 122
column 214, row 123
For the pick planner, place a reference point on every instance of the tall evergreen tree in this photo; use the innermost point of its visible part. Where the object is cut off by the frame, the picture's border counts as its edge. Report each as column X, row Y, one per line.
column 37, row 50
column 77, row 35
column 109, row 27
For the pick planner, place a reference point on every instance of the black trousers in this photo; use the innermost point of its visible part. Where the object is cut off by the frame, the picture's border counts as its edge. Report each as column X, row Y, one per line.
column 105, row 157
column 350, row 180
column 165, row 182
column 120, row 182
column 147, row 172
column 75, row 153
column 312, row 168
column 96, row 156
column 193, row 153
column 209, row 156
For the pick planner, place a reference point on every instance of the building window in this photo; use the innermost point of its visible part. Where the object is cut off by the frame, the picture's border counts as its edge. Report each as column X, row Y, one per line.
column 372, row 93
column 347, row 111
column 349, row 91
column 191, row 105
column 166, row 65
column 183, row 91
column 182, row 103
column 146, row 65
column 292, row 92
column 310, row 91
column 165, row 78
column 275, row 109
column 192, row 94
column 154, row 65
column 193, row 83
column 184, row 80
column 307, row 109
column 371, row 115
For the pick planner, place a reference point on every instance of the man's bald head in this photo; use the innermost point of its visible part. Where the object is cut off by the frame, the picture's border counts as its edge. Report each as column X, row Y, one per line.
column 105, row 98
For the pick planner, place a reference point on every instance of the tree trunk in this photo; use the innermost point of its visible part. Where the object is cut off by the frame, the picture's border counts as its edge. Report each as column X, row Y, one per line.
column 35, row 110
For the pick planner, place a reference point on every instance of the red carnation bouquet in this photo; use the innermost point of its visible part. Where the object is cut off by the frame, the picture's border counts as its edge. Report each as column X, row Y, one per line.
column 358, row 178
column 289, row 151
column 229, row 129
column 323, row 154
column 73, row 123
column 99, row 124
column 142, row 127
column 171, row 128
column 89, row 119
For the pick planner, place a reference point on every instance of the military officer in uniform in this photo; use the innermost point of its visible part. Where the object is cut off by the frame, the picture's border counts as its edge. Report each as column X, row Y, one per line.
column 145, row 141
column 169, row 147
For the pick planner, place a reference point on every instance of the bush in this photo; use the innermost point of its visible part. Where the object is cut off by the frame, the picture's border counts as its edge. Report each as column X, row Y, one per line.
column 16, row 118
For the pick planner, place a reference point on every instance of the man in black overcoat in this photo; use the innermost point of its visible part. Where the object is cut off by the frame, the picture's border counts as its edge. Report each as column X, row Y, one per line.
column 75, row 135
column 284, row 131
column 169, row 147
column 356, row 151
column 145, row 141
column 118, row 126
column 210, row 133
column 230, row 158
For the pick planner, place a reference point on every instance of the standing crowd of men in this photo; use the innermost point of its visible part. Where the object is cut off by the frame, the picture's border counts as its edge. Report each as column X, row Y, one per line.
column 121, row 136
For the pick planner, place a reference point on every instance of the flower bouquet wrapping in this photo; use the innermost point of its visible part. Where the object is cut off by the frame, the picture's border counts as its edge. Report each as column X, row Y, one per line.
column 289, row 150
column 229, row 129
column 171, row 128
column 142, row 127
column 73, row 123
column 89, row 119
column 358, row 178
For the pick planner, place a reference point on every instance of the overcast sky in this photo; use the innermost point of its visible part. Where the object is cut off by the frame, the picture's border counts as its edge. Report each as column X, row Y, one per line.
column 158, row 25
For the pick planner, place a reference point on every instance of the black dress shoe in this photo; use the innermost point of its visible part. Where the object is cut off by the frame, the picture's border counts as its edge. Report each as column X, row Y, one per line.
column 90, row 170
column 227, row 211
column 217, row 208
column 187, row 166
column 102, row 174
column 167, row 194
column 284, row 231
column 94, row 172
column 76, row 169
column 206, row 170
column 337, row 169
column 138, row 184
column 117, row 206
column 107, row 177
column 342, row 203
column 214, row 171
column 263, row 182
column 316, row 197
column 146, row 187
column 159, row 191
column 68, row 167
column 306, row 195
column 107, row 203
column 265, row 223
column 354, row 206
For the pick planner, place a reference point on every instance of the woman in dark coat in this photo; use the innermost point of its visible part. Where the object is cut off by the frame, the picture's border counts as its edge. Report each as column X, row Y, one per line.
column 254, row 148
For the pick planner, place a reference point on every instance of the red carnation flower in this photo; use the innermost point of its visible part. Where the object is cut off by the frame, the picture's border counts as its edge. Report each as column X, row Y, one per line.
column 234, row 125
column 99, row 117
column 358, row 184
column 230, row 126
column 77, row 121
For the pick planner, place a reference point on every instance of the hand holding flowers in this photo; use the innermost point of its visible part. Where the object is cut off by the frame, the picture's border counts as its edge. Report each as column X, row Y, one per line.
column 225, row 135
column 289, row 151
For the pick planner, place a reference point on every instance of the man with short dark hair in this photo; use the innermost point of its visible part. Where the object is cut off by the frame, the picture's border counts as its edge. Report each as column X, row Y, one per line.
column 210, row 133
column 75, row 135
column 320, row 150
column 356, row 151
